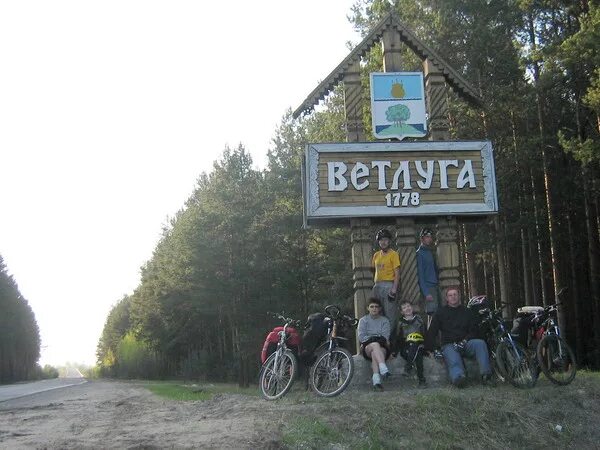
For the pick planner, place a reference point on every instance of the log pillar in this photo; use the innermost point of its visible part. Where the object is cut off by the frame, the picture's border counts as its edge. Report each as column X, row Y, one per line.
column 360, row 229
column 361, row 237
column 447, row 253
column 355, row 131
column 406, row 242
column 406, row 239
column 447, row 234
column 436, row 102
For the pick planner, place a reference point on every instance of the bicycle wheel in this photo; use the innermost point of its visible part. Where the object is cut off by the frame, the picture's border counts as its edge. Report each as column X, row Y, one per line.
column 277, row 374
column 497, row 367
column 332, row 372
column 516, row 365
column 556, row 359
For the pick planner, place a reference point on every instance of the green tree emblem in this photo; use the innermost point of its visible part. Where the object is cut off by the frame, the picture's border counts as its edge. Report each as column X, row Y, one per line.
column 397, row 114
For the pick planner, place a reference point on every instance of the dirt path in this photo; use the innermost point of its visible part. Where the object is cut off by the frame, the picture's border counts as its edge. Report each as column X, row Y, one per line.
column 107, row 414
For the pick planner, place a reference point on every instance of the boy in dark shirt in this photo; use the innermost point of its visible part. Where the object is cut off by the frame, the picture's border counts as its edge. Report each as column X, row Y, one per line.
column 411, row 330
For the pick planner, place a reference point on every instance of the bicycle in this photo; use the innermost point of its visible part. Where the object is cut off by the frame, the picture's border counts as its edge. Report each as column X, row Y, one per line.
column 333, row 368
column 280, row 368
column 554, row 356
column 510, row 360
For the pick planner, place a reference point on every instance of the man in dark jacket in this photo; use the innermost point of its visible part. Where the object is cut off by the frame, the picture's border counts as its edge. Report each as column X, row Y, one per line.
column 427, row 273
column 457, row 329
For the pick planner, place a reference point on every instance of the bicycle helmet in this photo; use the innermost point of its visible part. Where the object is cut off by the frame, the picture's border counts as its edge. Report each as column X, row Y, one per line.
column 383, row 233
column 417, row 338
column 426, row 232
column 478, row 300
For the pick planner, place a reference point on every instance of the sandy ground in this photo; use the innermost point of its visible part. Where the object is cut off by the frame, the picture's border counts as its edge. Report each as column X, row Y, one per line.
column 112, row 414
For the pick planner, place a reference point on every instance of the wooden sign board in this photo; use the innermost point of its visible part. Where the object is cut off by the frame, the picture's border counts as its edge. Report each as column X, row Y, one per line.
column 379, row 179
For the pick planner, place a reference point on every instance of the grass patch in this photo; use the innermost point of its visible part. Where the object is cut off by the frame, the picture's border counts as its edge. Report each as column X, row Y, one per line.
column 547, row 416
column 191, row 392
column 179, row 392
column 310, row 432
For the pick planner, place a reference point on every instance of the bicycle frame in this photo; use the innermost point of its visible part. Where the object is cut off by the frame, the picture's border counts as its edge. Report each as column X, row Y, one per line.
column 546, row 320
column 333, row 368
column 281, row 345
column 500, row 334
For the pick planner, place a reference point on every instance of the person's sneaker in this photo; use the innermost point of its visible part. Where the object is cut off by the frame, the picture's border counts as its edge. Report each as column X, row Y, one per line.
column 422, row 383
column 378, row 387
column 387, row 375
column 488, row 380
column 460, row 382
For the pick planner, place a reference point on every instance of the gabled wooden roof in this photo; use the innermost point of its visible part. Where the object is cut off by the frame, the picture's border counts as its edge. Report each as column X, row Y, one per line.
column 391, row 20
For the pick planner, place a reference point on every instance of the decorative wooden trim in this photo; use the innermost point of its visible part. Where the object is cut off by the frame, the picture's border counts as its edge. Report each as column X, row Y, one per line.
column 390, row 20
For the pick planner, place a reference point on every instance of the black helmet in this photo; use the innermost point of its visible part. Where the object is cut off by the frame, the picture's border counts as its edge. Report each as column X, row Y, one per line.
column 383, row 233
column 426, row 232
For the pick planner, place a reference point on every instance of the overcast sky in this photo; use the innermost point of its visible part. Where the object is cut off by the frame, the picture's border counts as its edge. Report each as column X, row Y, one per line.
column 110, row 110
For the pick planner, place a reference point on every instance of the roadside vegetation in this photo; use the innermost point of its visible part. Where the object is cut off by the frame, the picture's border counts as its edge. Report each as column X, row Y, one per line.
column 197, row 391
column 19, row 333
column 547, row 416
column 477, row 417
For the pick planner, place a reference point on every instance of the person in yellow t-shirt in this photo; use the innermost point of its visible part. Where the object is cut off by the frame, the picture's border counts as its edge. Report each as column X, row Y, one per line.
column 386, row 264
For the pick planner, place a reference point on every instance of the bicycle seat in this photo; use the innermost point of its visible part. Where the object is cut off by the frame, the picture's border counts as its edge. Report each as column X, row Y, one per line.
column 530, row 309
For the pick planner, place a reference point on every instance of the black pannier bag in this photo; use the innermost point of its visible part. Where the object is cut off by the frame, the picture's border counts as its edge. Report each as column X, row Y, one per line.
column 314, row 334
column 521, row 326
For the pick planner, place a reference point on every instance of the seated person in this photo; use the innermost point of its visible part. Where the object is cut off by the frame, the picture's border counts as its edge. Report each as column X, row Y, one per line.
column 374, row 336
column 411, row 331
column 458, row 330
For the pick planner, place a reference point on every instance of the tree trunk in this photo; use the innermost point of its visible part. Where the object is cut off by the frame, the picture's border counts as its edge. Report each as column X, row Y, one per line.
column 538, row 239
column 594, row 265
column 547, row 187
column 470, row 263
column 535, row 287
column 527, row 288
column 575, row 292
column 503, row 299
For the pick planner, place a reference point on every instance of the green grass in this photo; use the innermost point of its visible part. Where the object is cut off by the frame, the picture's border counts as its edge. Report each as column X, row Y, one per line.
column 310, row 432
column 448, row 418
column 436, row 418
column 196, row 392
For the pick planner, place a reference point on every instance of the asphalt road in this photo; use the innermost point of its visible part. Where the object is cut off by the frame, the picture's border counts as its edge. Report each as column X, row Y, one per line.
column 11, row 391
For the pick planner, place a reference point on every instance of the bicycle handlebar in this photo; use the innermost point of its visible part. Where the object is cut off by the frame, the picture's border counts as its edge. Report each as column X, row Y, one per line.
column 287, row 320
column 334, row 312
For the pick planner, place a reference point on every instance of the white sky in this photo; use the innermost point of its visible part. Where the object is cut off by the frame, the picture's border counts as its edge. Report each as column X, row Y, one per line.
column 110, row 110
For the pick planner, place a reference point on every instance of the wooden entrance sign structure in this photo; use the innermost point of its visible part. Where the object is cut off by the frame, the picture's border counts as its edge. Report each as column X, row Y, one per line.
column 391, row 34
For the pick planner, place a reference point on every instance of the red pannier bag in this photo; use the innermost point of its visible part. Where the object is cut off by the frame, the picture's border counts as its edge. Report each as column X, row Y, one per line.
column 293, row 342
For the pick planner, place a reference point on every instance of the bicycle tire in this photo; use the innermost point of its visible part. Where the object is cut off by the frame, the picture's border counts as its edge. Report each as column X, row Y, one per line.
column 275, row 382
column 499, row 371
column 516, row 365
column 332, row 372
column 556, row 359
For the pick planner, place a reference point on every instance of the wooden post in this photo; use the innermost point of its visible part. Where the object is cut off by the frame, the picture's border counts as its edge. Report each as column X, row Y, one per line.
column 406, row 240
column 361, row 237
column 391, row 47
column 447, row 252
column 405, row 226
column 447, row 234
column 437, row 106
column 360, row 232
column 355, row 131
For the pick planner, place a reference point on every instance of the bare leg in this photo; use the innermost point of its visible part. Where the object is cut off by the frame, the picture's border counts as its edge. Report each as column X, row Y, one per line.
column 377, row 355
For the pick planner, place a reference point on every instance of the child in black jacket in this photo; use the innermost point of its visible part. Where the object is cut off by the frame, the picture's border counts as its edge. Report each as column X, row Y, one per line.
column 411, row 331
